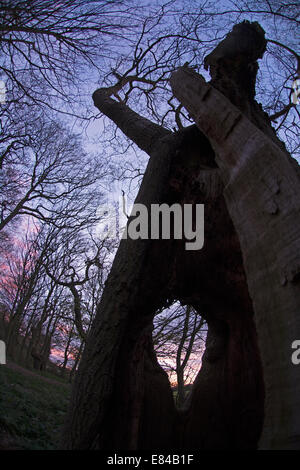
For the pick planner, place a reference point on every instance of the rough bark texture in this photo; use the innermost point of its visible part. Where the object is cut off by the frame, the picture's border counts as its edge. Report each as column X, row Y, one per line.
column 262, row 193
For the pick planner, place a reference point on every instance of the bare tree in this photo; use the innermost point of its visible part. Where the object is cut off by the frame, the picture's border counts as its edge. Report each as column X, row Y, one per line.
column 46, row 46
column 19, row 282
column 61, row 268
column 48, row 179
column 38, row 303
column 179, row 337
column 137, row 288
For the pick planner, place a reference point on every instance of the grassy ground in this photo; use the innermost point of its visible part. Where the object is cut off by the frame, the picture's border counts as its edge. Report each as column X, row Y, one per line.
column 32, row 409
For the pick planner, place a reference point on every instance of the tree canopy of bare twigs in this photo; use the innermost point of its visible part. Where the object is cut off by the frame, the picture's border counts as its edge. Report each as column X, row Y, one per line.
column 174, row 37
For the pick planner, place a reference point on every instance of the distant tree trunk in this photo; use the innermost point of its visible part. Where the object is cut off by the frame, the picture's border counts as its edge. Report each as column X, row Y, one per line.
column 17, row 316
column 180, row 397
column 66, row 352
column 36, row 357
column 121, row 397
column 183, row 354
column 76, row 361
column 45, row 351
column 262, row 193
column 23, row 351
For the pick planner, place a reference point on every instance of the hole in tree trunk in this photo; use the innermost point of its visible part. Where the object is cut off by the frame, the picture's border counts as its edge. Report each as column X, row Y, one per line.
column 179, row 337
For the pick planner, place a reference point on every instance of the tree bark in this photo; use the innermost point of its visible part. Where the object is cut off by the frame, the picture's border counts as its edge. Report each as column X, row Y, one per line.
column 262, row 193
column 140, row 130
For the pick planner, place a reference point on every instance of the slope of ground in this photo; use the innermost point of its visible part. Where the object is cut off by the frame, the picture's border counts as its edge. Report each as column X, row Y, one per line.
column 32, row 408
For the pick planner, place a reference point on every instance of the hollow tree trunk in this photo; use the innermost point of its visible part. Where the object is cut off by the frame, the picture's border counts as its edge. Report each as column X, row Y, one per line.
column 121, row 397
column 262, row 193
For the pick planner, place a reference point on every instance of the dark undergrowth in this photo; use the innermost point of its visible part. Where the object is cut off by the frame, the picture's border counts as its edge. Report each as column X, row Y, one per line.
column 32, row 409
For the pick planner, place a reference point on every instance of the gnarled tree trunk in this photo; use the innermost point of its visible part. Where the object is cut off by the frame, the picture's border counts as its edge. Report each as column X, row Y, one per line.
column 121, row 397
column 262, row 193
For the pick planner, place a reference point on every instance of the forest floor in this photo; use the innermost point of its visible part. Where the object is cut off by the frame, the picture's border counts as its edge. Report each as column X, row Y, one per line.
column 32, row 408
